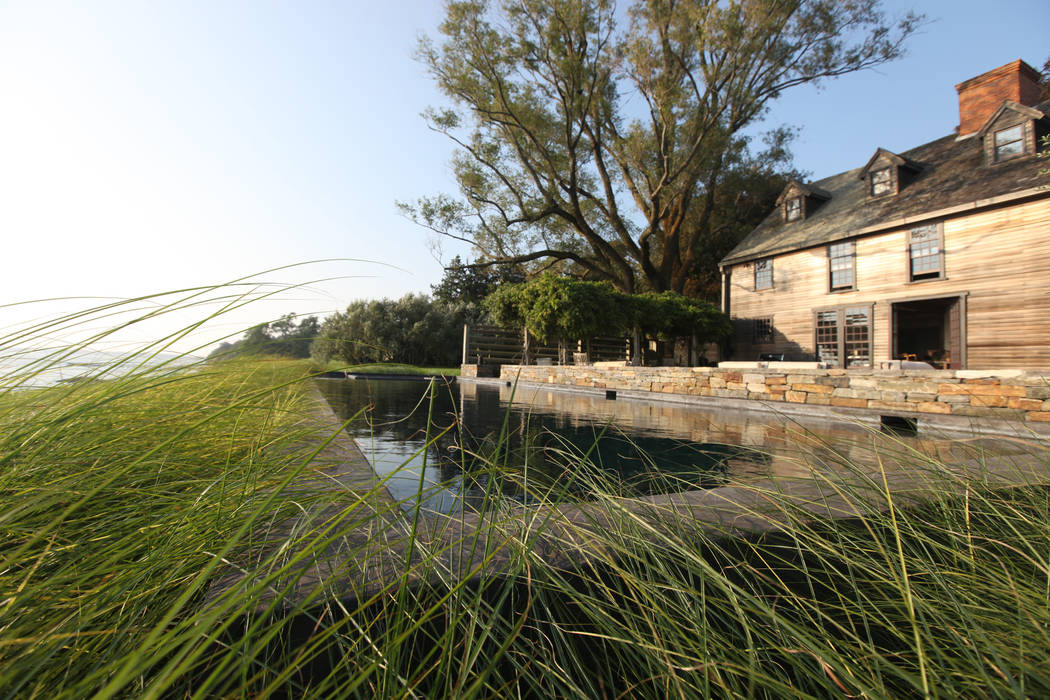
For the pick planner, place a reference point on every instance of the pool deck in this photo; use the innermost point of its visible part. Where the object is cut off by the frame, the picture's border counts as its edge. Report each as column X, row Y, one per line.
column 372, row 550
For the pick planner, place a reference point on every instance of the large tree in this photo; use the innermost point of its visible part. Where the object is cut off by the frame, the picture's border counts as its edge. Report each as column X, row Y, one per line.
column 614, row 153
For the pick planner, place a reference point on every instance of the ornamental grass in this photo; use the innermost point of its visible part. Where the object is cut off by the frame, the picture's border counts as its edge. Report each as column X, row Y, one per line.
column 130, row 494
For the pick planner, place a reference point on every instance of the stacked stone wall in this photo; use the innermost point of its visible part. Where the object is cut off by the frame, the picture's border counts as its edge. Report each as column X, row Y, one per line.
column 1008, row 394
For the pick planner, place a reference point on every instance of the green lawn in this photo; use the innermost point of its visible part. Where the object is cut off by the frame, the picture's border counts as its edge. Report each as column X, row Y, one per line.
column 391, row 368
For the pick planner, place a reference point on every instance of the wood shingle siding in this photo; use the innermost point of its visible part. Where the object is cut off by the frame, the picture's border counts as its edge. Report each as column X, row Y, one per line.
column 998, row 258
column 952, row 248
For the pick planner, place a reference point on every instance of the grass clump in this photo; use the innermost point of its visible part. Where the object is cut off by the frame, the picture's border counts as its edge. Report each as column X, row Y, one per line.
column 121, row 498
column 130, row 497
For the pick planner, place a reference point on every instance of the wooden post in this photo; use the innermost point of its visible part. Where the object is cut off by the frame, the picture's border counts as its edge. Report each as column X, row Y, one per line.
column 526, row 355
column 637, row 348
column 466, row 343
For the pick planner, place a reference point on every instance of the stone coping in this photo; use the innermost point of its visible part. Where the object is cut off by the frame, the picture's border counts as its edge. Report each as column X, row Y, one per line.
column 1001, row 402
column 358, row 497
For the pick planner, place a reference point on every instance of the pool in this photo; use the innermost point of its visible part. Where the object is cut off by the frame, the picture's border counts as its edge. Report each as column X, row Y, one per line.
column 448, row 446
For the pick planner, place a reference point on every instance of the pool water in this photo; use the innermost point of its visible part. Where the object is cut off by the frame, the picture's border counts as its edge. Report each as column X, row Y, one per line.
column 527, row 444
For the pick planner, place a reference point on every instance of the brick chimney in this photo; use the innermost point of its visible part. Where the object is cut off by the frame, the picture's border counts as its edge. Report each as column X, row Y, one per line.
column 979, row 97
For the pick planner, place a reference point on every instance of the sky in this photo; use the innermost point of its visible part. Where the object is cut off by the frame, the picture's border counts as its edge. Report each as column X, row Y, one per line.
column 165, row 145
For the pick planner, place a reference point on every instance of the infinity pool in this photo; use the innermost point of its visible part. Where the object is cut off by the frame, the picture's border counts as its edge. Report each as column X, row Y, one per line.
column 525, row 443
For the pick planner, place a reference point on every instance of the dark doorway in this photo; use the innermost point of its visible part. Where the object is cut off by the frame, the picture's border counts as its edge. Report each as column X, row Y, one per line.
column 930, row 330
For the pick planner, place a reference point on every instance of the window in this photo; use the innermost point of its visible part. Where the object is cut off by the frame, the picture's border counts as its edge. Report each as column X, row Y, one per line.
column 857, row 336
column 764, row 274
column 763, row 331
column 1009, row 143
column 844, row 333
column 841, row 265
column 793, row 209
column 925, row 255
column 881, row 182
column 828, row 337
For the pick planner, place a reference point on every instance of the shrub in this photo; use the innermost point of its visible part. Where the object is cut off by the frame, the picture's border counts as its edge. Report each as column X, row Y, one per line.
column 412, row 330
column 562, row 309
column 669, row 315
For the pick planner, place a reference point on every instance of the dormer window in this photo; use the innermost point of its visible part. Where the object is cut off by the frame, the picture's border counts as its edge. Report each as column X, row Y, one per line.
column 799, row 202
column 881, row 182
column 887, row 173
column 1012, row 132
column 1009, row 143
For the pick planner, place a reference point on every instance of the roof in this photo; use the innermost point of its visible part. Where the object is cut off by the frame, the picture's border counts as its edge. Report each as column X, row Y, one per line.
column 952, row 173
column 891, row 157
column 795, row 188
column 1007, row 106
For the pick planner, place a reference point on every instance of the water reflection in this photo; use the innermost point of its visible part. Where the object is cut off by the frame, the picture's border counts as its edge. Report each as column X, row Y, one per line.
column 526, row 442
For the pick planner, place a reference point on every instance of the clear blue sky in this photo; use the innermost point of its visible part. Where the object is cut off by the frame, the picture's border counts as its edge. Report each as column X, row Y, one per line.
column 154, row 145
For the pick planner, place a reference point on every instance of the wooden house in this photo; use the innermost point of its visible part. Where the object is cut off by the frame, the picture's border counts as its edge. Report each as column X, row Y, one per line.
column 938, row 253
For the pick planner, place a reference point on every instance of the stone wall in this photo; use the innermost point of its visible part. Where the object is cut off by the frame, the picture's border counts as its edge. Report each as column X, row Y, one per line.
column 474, row 371
column 1008, row 394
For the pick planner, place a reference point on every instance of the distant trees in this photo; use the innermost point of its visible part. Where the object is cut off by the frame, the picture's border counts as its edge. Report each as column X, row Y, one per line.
column 285, row 337
column 413, row 330
column 1044, row 94
column 418, row 330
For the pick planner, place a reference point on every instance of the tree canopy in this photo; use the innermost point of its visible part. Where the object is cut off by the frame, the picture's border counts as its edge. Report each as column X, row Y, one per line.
column 669, row 315
column 413, row 329
column 622, row 154
column 563, row 309
column 465, row 283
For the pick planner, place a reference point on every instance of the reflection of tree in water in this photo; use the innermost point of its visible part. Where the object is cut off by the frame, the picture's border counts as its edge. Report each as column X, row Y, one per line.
column 516, row 451
column 396, row 409
column 551, row 457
